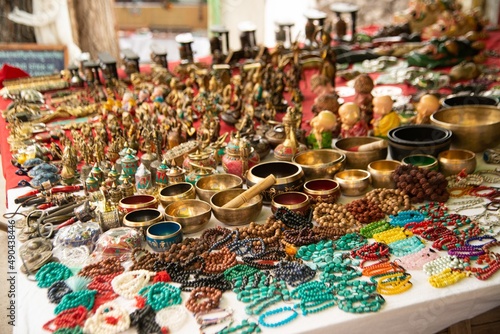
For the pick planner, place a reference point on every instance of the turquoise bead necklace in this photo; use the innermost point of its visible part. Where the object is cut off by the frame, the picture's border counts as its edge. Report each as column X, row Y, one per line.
column 51, row 273
column 272, row 313
column 372, row 303
column 354, row 289
column 405, row 217
column 314, row 297
column 319, row 253
column 338, row 272
column 239, row 271
column 405, row 247
column 350, row 241
column 85, row 298
column 245, row 327
column 161, row 295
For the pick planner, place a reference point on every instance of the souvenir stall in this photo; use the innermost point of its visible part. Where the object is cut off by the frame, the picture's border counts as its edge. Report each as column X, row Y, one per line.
column 348, row 183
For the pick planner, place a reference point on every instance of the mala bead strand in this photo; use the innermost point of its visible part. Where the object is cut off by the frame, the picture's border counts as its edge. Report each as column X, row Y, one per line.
column 382, row 268
column 336, row 216
column 350, row 241
column 171, row 318
column 102, row 283
column 50, row 273
column 417, row 260
column 69, row 318
column 394, row 283
column 143, row 260
column 186, row 250
column 217, row 236
column 110, row 318
column 130, row 283
column 294, row 273
column 144, row 320
column 304, row 236
column 446, row 278
column 314, row 297
column 326, row 232
column 375, row 227
column 438, row 265
column 405, row 217
column 358, row 296
column 421, row 184
column 110, row 265
column 371, row 252
column 392, row 235
column 320, row 254
column 365, row 211
column 68, row 330
column 270, row 231
column 217, row 262
column 203, row 299
column 390, row 201
column 273, row 313
column 83, row 298
column 292, row 219
column 406, row 246
column 161, row 295
column 57, row 291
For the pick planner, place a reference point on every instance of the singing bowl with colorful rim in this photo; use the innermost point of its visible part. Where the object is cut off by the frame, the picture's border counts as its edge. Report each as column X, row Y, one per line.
column 142, row 218
column 353, row 182
column 475, row 128
column 421, row 160
column 294, row 201
column 160, row 236
column 243, row 215
column 175, row 192
column 289, row 177
column 381, row 173
column 208, row 185
column 359, row 160
column 136, row 202
column 452, row 162
column 322, row 191
column 321, row 163
column 418, row 139
column 192, row 214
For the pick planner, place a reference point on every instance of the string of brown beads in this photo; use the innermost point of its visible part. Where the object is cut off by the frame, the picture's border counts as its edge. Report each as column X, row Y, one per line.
column 337, row 216
column 217, row 262
column 216, row 235
column 203, row 299
column 326, row 232
column 421, row 184
column 304, row 236
column 107, row 266
column 142, row 259
column 186, row 250
column 390, row 201
column 365, row 211
column 270, row 231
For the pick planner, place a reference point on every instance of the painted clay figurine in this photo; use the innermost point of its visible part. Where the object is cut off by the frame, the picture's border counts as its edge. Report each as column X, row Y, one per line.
column 427, row 105
column 352, row 123
column 322, row 126
column 363, row 97
column 384, row 118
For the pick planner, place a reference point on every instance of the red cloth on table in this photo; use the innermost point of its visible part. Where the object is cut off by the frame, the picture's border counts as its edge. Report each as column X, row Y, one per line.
column 10, row 72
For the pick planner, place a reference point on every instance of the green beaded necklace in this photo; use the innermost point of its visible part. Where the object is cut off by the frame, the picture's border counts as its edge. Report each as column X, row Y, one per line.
column 161, row 295
column 83, row 297
column 350, row 241
column 51, row 273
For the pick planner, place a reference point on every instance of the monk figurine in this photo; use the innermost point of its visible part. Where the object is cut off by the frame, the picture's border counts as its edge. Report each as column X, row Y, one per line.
column 363, row 86
column 384, row 118
column 322, row 126
column 427, row 105
column 352, row 123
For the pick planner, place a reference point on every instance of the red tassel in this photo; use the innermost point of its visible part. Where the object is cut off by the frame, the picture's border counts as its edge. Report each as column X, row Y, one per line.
column 162, row 276
column 140, row 301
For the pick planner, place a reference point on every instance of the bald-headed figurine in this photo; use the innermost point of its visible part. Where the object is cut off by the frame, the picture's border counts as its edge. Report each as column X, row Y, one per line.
column 384, row 118
column 427, row 105
column 322, row 126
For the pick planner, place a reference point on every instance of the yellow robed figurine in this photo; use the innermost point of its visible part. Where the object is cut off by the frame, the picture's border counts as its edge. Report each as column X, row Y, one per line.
column 384, row 118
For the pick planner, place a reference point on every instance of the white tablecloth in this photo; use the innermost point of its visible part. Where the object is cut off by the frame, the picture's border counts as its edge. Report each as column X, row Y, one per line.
column 422, row 309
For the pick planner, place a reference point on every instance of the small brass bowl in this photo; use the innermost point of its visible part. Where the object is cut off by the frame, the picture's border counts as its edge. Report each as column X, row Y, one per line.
column 322, row 163
column 192, row 214
column 322, row 191
column 243, row 215
column 289, row 177
column 381, row 172
column 353, row 182
column 208, row 185
column 160, row 236
column 452, row 162
column 421, row 160
column 136, row 202
column 142, row 218
column 175, row 192
column 294, row 200
column 359, row 160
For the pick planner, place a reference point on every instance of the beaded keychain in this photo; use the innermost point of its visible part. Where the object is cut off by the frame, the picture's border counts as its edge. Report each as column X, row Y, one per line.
column 438, row 265
column 392, row 235
column 417, row 260
column 110, row 318
column 406, row 246
column 128, row 284
column 350, row 241
column 392, row 283
column 376, row 227
column 382, row 268
column 447, row 277
column 405, row 217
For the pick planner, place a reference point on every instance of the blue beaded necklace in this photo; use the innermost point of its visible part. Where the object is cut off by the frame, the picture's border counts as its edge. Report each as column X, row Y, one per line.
column 405, row 217
column 284, row 309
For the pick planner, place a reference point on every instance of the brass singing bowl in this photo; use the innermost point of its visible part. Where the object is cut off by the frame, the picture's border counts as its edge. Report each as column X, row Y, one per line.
column 321, row 163
column 452, row 162
column 322, row 191
column 294, row 201
column 381, row 173
column 192, row 214
column 142, row 218
column 475, row 128
column 359, row 160
column 208, row 185
column 425, row 161
column 136, row 202
column 176, row 191
column 243, row 215
column 353, row 182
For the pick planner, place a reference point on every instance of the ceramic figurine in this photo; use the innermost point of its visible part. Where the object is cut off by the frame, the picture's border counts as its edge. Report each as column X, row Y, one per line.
column 321, row 84
column 427, row 105
column 352, row 123
column 323, row 126
column 363, row 86
column 327, row 101
column 384, row 118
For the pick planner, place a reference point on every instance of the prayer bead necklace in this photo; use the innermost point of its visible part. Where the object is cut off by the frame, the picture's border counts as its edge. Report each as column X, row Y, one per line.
column 110, row 318
column 406, row 246
column 446, row 278
column 438, row 265
column 128, row 284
